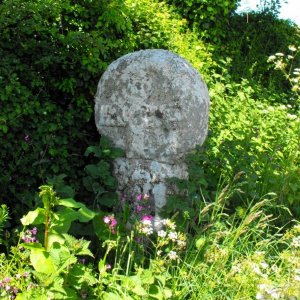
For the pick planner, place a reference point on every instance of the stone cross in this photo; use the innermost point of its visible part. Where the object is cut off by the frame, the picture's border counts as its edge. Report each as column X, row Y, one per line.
column 154, row 105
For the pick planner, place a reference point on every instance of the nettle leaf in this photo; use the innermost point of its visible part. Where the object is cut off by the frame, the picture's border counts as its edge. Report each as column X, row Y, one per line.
column 62, row 257
column 34, row 217
column 81, row 274
column 79, row 246
column 147, row 276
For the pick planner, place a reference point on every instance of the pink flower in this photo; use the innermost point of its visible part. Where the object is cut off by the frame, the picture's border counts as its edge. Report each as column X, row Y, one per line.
column 147, row 218
column 139, row 197
column 111, row 222
column 139, row 208
column 106, row 220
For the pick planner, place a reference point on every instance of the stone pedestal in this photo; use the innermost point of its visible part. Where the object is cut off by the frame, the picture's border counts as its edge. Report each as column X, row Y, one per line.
column 154, row 105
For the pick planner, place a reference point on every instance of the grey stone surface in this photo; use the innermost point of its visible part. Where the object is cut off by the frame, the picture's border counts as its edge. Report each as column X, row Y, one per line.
column 154, row 105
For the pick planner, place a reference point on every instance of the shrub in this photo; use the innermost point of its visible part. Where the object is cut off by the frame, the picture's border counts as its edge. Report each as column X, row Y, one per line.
column 52, row 54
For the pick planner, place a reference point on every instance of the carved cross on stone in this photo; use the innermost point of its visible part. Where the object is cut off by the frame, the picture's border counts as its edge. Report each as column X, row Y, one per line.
column 154, row 105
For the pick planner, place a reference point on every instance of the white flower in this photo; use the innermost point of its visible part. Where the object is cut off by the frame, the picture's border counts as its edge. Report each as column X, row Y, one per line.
column 173, row 235
column 279, row 65
column 279, row 54
column 290, row 57
column 291, row 117
column 296, row 242
column 256, row 269
column 168, row 223
column 161, row 233
column 146, row 222
column 159, row 252
column 236, row 269
column 181, row 243
column 172, row 255
column 147, row 230
column 292, row 48
column 260, row 296
column 271, row 58
column 297, row 277
column 264, row 265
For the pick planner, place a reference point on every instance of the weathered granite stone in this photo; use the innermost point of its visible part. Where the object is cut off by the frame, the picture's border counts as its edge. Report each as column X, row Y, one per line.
column 154, row 105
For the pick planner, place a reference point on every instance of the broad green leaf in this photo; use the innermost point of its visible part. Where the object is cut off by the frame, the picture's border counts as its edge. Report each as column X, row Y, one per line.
column 54, row 238
column 85, row 214
column 65, row 218
column 41, row 261
column 69, row 202
column 34, row 217
column 111, row 296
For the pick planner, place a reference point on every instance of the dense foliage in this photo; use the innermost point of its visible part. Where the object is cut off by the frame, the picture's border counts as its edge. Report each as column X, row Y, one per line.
column 237, row 235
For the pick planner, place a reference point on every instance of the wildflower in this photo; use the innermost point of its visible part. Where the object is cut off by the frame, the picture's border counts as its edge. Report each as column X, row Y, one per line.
column 296, row 242
column 139, row 208
column 173, row 236
column 292, row 48
column 264, row 265
column 236, row 269
column 260, row 296
column 147, row 218
column 297, row 277
column 108, row 267
column 139, row 197
column 25, row 274
column 181, row 243
column 169, row 224
column 161, row 233
column 29, row 236
column 146, row 226
column 26, row 138
column 146, row 197
column 111, row 222
column 279, row 54
column 279, row 65
column 172, row 255
column 291, row 117
column 34, row 231
column 147, row 229
column 271, row 58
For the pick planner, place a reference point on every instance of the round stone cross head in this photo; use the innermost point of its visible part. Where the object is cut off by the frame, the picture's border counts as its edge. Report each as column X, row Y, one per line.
column 154, row 105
